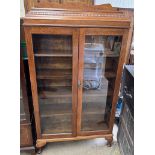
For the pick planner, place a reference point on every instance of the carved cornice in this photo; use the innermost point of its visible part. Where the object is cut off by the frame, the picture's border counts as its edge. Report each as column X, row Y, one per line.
column 109, row 17
column 47, row 13
column 76, row 14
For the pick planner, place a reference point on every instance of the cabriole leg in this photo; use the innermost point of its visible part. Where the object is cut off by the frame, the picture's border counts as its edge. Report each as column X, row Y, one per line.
column 40, row 145
column 109, row 140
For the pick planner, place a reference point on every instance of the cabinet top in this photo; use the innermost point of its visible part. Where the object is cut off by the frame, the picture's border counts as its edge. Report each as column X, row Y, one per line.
column 92, row 16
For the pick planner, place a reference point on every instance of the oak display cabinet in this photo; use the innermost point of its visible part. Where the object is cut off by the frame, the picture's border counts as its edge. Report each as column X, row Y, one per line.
column 75, row 70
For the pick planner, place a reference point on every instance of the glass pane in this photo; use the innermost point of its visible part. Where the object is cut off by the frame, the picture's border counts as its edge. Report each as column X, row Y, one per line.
column 53, row 59
column 22, row 112
column 101, row 55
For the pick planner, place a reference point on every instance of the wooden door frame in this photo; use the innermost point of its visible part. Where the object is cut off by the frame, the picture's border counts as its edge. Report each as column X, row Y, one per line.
column 122, row 58
column 32, row 69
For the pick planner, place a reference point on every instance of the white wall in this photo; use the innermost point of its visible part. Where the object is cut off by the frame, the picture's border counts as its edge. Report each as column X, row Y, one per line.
column 22, row 10
column 117, row 3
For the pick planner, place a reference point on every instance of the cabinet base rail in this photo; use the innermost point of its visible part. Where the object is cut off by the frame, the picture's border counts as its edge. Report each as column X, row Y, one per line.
column 42, row 142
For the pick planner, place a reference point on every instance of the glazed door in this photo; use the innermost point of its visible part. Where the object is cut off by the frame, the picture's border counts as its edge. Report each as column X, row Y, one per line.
column 99, row 59
column 53, row 65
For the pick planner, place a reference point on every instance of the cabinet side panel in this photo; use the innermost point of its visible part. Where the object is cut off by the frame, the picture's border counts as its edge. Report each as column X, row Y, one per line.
column 118, row 78
column 28, row 37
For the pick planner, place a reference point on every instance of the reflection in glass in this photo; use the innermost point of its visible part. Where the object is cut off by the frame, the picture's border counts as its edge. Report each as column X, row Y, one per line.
column 101, row 54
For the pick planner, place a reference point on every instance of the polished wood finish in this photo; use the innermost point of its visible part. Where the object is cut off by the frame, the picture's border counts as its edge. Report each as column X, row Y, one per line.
column 43, row 142
column 95, row 16
column 99, row 31
column 43, row 30
column 64, row 84
column 29, row 4
column 75, row 80
column 118, row 78
column 61, row 3
column 25, row 135
column 32, row 77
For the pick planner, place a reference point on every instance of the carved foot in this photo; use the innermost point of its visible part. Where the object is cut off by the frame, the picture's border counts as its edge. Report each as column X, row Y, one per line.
column 40, row 144
column 109, row 141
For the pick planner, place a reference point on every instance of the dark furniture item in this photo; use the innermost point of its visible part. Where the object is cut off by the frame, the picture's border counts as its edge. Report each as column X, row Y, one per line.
column 26, row 140
column 75, row 61
column 126, row 126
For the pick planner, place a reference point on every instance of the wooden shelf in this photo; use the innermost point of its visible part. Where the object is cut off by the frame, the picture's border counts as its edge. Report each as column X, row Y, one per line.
column 53, row 100
column 53, row 55
column 56, row 124
column 94, row 111
column 93, row 122
column 93, row 66
column 57, row 65
column 107, row 53
column 53, row 61
column 109, row 74
column 54, row 83
column 94, row 107
column 65, row 92
column 56, row 92
column 97, row 93
column 100, row 99
column 54, row 74
column 49, row 110
column 54, row 77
